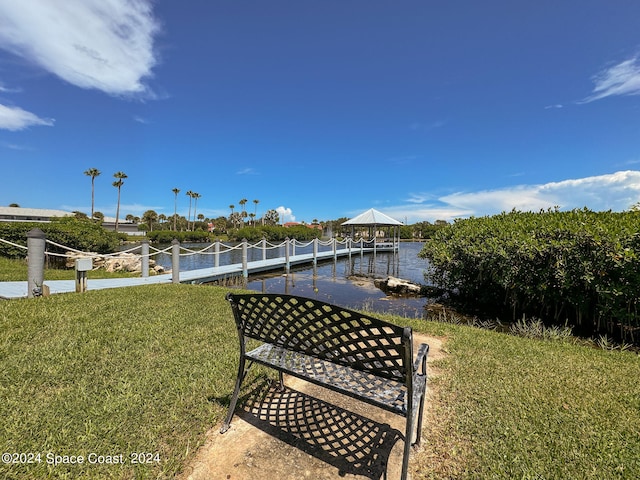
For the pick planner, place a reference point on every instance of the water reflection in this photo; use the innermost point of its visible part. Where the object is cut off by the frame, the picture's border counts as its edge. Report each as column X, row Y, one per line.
column 347, row 282
column 350, row 282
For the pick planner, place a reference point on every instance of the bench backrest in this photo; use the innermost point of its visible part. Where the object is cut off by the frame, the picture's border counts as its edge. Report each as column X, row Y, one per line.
column 325, row 331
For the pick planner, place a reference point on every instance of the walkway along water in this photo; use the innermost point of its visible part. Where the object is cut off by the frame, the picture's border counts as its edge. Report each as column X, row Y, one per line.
column 284, row 258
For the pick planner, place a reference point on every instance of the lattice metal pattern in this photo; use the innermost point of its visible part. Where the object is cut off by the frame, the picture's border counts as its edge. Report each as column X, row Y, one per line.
column 353, row 443
column 386, row 393
column 324, row 331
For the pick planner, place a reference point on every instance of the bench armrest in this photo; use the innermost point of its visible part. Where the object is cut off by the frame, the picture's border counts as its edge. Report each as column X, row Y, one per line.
column 421, row 358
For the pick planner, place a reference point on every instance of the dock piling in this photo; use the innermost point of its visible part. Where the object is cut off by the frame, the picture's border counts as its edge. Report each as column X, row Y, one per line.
column 36, row 240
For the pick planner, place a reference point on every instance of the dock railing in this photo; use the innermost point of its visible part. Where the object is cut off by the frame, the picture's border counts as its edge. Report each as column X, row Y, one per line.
column 280, row 254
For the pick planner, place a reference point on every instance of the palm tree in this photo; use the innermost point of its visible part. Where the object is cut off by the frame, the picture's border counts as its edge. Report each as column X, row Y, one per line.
column 190, row 195
column 255, row 211
column 149, row 217
column 93, row 173
column 242, row 203
column 175, row 191
column 118, row 184
column 196, row 196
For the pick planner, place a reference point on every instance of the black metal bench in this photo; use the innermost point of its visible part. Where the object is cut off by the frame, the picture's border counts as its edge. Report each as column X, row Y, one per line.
column 340, row 349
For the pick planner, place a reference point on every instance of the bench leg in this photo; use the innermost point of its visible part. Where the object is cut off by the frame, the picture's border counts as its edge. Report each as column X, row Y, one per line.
column 408, row 436
column 234, row 398
column 419, row 427
column 280, row 381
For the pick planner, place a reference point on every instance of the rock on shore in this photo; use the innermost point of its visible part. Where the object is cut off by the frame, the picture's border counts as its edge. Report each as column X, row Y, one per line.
column 124, row 262
column 397, row 286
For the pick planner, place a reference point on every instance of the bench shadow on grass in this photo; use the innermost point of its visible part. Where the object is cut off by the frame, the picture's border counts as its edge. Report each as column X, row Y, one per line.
column 350, row 442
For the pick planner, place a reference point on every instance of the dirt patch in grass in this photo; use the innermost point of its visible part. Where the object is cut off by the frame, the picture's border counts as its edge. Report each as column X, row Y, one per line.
column 310, row 432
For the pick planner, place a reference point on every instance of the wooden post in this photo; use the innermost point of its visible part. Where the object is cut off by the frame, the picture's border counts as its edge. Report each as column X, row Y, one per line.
column 144, row 259
column 175, row 261
column 83, row 265
column 315, row 252
column 245, row 269
column 286, row 255
column 35, row 268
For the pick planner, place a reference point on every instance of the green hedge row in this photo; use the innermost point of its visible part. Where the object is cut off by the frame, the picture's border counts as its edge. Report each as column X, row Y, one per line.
column 276, row 233
column 81, row 234
column 167, row 236
column 580, row 267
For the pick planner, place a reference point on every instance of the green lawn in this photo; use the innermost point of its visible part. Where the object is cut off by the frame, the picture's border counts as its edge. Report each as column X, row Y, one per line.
column 15, row 270
column 150, row 369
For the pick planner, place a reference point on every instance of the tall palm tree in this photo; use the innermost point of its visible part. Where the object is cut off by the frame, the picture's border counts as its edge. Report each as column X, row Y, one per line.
column 255, row 211
column 190, row 195
column 118, row 184
column 196, row 196
column 242, row 203
column 93, row 173
column 175, row 191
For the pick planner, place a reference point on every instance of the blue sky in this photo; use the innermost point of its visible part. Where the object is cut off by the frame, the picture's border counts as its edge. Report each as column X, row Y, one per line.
column 423, row 110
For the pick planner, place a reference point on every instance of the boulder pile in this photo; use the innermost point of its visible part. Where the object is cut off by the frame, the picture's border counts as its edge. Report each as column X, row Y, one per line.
column 124, row 262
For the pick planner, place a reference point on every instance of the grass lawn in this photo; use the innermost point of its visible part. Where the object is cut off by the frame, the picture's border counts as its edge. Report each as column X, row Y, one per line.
column 150, row 369
column 15, row 270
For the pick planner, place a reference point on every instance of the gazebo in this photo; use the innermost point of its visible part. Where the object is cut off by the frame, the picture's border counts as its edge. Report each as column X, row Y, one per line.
column 372, row 219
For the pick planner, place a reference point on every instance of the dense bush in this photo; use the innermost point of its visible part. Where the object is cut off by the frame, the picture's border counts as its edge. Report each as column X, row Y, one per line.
column 275, row 233
column 167, row 236
column 578, row 267
column 77, row 233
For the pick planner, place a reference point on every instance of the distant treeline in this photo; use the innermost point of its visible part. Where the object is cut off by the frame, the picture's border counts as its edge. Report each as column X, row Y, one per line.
column 580, row 268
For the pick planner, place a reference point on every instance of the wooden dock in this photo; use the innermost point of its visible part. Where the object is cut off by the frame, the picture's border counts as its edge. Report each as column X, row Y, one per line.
column 13, row 290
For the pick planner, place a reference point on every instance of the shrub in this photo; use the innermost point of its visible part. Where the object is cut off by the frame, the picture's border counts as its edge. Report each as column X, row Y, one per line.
column 578, row 266
column 80, row 234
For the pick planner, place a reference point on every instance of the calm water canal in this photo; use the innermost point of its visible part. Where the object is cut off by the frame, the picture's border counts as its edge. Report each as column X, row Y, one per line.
column 346, row 283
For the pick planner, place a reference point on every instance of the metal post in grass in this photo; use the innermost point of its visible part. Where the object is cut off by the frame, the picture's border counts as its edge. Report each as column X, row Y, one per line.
column 245, row 269
column 286, row 255
column 36, row 240
column 175, row 261
column 144, row 252
column 216, row 256
column 315, row 252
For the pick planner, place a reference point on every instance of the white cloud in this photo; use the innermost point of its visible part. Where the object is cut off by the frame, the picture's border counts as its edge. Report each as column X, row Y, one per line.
column 621, row 79
column 286, row 214
column 15, row 118
column 616, row 191
column 247, row 171
column 95, row 44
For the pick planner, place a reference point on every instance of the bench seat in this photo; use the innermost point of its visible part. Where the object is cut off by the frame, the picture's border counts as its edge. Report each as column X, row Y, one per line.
column 387, row 394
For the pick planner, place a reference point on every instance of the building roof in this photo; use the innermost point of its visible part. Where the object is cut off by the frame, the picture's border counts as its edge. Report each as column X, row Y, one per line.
column 373, row 217
column 19, row 213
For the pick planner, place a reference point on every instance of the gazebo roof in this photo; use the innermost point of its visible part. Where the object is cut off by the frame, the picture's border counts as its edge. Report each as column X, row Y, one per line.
column 373, row 217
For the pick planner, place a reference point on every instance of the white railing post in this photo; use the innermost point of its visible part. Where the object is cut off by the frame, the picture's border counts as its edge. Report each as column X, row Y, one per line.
column 144, row 259
column 335, row 249
column 315, row 252
column 264, row 249
column 245, row 268
column 286, row 255
column 175, row 261
column 216, row 255
column 35, row 268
